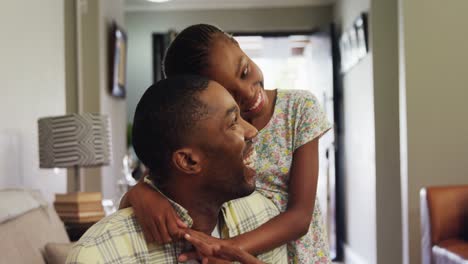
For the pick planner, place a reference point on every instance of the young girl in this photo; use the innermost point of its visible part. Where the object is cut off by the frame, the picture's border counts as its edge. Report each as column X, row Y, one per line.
column 290, row 124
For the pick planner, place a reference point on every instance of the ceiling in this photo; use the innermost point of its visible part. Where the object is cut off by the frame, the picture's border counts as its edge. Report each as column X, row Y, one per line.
column 143, row 5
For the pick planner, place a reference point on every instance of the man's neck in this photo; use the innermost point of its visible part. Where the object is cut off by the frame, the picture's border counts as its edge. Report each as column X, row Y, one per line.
column 203, row 210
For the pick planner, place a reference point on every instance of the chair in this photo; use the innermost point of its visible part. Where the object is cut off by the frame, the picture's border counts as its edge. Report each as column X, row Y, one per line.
column 444, row 224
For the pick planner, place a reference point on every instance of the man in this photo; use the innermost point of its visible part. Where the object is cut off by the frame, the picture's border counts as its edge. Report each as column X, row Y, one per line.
column 189, row 133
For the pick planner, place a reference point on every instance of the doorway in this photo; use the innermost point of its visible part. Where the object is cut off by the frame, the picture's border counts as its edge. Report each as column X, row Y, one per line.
column 304, row 60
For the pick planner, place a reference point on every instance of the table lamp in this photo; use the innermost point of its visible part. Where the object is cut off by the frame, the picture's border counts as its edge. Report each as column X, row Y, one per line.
column 74, row 141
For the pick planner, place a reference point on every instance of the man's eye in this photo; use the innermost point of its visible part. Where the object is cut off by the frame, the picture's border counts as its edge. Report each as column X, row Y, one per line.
column 234, row 123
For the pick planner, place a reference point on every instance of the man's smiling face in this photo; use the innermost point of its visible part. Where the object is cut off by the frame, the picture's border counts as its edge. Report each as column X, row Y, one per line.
column 225, row 140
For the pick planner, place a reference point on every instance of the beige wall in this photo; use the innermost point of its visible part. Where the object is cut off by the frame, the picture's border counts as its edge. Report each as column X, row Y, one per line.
column 384, row 38
column 359, row 153
column 38, row 70
column 141, row 25
column 87, row 85
column 88, row 76
column 33, row 80
column 116, row 109
column 435, row 41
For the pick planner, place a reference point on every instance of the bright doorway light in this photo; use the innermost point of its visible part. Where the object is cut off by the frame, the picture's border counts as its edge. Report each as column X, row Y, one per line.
column 158, row 1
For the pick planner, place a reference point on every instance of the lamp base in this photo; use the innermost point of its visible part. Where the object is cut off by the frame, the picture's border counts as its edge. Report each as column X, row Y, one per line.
column 79, row 207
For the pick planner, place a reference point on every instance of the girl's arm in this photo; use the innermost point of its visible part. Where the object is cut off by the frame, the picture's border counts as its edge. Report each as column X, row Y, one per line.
column 295, row 221
column 155, row 214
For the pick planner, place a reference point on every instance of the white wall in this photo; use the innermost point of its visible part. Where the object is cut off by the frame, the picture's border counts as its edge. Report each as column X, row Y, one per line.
column 33, row 79
column 435, row 40
column 141, row 26
column 359, row 153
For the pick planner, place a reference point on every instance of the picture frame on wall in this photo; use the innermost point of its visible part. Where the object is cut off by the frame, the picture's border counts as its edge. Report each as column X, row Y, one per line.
column 361, row 32
column 354, row 44
column 117, row 61
column 345, row 51
column 354, row 47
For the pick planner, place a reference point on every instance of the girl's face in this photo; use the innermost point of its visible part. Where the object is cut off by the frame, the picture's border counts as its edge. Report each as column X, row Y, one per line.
column 233, row 69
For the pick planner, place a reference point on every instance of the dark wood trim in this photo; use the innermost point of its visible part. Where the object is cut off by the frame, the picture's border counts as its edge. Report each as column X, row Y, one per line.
column 338, row 109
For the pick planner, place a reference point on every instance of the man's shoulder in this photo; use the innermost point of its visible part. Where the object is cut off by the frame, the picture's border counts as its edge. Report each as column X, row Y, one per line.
column 255, row 201
column 122, row 221
column 248, row 213
column 117, row 234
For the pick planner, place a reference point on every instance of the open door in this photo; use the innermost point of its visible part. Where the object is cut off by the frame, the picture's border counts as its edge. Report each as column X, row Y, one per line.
column 304, row 60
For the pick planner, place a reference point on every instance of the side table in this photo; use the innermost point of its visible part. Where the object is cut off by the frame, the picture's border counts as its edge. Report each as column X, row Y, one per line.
column 76, row 230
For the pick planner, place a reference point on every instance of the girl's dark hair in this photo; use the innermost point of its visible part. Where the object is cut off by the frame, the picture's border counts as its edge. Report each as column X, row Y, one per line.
column 188, row 52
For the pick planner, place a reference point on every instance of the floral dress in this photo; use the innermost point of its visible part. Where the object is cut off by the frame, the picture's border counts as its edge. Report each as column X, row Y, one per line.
column 297, row 119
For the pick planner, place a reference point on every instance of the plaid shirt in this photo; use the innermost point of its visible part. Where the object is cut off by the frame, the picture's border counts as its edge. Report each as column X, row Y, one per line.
column 118, row 238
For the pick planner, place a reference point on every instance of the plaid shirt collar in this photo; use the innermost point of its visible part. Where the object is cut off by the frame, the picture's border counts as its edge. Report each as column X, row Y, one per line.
column 181, row 211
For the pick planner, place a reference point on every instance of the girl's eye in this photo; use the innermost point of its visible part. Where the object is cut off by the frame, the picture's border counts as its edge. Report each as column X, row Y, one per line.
column 245, row 72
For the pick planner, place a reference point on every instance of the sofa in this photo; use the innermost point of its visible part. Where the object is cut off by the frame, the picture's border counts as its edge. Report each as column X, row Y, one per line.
column 30, row 229
column 444, row 224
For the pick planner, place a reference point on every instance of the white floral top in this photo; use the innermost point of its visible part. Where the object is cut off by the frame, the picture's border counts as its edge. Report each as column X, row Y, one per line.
column 297, row 119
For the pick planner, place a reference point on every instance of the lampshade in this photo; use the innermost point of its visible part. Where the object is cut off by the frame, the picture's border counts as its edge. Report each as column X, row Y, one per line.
column 74, row 140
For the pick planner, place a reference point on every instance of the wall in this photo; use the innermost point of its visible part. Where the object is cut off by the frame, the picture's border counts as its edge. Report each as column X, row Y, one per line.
column 359, row 153
column 87, row 84
column 435, row 38
column 384, row 38
column 88, row 75
column 33, row 80
column 116, row 109
column 372, row 138
column 141, row 25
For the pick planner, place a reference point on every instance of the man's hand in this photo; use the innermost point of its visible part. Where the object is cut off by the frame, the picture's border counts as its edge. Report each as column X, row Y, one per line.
column 213, row 250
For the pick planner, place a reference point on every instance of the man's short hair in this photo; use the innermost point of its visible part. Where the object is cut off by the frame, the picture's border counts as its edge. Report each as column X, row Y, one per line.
column 164, row 118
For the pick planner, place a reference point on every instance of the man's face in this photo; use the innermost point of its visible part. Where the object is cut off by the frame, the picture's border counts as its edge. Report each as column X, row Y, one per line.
column 224, row 139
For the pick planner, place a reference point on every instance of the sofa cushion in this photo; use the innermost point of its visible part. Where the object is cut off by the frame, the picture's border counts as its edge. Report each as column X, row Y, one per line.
column 56, row 253
column 15, row 202
column 24, row 237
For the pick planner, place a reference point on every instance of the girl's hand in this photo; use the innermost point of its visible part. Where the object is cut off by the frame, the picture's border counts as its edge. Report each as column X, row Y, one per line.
column 213, row 250
column 155, row 214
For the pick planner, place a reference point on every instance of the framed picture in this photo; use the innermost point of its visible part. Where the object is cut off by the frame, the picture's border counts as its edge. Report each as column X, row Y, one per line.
column 362, row 35
column 117, row 61
column 354, row 43
column 345, row 51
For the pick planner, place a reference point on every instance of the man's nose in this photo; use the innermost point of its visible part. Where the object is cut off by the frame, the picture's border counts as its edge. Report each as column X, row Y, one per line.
column 250, row 131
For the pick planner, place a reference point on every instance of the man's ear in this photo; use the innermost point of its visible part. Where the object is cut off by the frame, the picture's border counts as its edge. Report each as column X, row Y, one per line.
column 187, row 160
